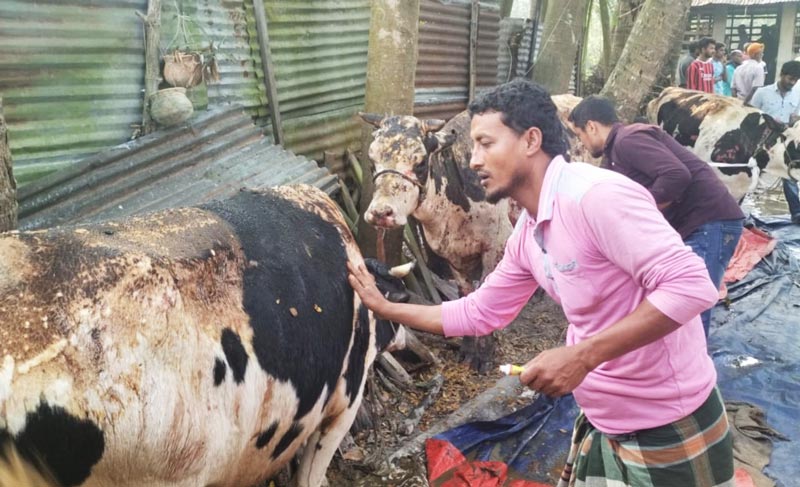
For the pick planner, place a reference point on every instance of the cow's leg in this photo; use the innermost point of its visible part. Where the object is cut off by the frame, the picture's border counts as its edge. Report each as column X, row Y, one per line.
column 321, row 446
column 476, row 351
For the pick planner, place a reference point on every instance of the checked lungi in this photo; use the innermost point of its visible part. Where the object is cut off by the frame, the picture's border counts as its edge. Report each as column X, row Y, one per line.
column 696, row 451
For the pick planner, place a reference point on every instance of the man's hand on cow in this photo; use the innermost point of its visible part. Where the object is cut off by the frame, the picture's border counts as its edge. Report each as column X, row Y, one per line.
column 363, row 284
column 555, row 372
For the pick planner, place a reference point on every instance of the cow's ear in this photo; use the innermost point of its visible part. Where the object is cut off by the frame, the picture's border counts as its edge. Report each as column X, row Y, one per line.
column 371, row 118
column 445, row 139
column 432, row 125
column 773, row 124
column 431, row 143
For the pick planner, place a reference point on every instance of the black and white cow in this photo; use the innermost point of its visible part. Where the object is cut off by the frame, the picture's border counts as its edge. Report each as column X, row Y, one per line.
column 741, row 141
column 192, row 347
column 422, row 170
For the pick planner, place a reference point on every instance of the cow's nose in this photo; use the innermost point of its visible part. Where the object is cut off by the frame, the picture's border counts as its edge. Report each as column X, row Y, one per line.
column 383, row 213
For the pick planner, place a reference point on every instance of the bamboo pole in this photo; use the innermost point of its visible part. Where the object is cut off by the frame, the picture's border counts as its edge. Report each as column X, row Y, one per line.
column 152, row 39
column 473, row 47
column 269, row 71
column 411, row 241
column 8, row 185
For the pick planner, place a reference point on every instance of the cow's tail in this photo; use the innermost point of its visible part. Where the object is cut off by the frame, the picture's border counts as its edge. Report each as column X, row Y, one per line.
column 17, row 471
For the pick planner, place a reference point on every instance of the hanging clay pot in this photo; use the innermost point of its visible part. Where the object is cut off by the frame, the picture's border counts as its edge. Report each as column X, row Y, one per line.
column 170, row 106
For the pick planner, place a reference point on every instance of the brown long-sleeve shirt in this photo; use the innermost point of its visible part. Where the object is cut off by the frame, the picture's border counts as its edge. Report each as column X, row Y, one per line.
column 672, row 174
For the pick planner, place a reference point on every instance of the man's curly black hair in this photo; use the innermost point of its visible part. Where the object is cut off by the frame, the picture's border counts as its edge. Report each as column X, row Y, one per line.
column 524, row 104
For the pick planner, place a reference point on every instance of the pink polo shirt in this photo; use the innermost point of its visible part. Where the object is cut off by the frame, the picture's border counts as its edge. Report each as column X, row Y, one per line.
column 600, row 247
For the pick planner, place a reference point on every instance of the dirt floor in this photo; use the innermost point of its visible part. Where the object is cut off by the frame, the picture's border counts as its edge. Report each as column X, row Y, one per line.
column 540, row 326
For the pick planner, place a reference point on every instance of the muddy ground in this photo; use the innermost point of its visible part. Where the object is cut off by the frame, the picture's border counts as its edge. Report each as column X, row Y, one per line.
column 540, row 326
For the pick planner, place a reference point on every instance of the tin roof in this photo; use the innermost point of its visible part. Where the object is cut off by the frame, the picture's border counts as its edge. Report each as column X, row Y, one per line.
column 220, row 152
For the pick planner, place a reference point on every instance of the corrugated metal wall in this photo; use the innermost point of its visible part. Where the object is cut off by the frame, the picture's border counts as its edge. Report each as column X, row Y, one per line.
column 72, row 71
column 442, row 77
column 230, row 26
column 71, row 77
column 319, row 50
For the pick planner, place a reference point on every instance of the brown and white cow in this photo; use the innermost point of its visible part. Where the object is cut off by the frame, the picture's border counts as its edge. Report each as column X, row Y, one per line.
column 422, row 169
column 191, row 347
column 741, row 141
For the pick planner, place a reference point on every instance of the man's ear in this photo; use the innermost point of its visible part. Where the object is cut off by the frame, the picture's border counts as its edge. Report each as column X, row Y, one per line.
column 533, row 137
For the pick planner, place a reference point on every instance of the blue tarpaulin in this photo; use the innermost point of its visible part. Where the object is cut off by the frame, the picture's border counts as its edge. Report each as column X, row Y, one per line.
column 755, row 344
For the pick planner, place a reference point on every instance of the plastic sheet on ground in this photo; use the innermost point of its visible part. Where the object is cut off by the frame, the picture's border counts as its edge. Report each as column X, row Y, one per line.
column 755, row 344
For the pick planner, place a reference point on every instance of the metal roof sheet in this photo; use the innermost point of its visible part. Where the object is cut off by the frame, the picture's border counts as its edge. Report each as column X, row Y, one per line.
column 220, row 152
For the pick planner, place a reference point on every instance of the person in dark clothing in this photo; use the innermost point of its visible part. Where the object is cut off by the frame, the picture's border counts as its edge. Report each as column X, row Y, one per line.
column 687, row 191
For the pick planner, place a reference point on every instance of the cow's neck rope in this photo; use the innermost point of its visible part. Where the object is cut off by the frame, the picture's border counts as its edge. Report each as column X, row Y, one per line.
column 383, row 172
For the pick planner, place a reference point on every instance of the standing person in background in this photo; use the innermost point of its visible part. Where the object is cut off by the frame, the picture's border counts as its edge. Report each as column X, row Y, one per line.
column 750, row 75
column 700, row 75
column 780, row 101
column 721, row 86
column 734, row 60
column 687, row 191
column 683, row 64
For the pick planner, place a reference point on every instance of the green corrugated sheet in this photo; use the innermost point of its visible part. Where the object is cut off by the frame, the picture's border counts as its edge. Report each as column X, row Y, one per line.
column 72, row 71
column 319, row 49
column 71, row 75
column 230, row 26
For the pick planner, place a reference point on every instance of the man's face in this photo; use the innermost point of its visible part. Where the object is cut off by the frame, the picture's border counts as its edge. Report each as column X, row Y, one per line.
column 719, row 53
column 736, row 57
column 788, row 81
column 591, row 138
column 709, row 50
column 498, row 155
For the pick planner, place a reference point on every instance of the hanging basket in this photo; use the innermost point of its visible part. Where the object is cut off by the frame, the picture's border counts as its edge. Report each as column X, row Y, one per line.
column 183, row 69
column 170, row 106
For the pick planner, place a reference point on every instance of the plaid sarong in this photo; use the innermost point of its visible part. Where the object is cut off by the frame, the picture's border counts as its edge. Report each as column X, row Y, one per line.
column 696, row 451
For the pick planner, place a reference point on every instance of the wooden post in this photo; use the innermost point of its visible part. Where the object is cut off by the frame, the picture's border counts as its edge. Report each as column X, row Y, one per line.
column 473, row 47
column 269, row 71
column 8, row 185
column 391, row 69
column 152, row 38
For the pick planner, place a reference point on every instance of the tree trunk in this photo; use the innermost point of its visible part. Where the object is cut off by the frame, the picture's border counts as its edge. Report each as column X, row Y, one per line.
column 605, row 25
column 627, row 13
column 642, row 59
column 8, row 185
column 563, row 31
column 391, row 65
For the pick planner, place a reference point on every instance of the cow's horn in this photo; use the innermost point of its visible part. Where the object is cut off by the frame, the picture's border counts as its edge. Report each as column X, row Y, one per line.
column 371, row 118
column 401, row 271
column 432, row 125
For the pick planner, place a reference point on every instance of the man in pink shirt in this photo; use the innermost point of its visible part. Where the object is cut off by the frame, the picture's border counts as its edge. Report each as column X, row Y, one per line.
column 635, row 357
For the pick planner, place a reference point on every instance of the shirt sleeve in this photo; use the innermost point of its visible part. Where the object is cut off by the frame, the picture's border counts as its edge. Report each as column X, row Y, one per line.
column 691, row 76
column 759, row 76
column 634, row 235
column 758, row 99
column 670, row 176
column 497, row 301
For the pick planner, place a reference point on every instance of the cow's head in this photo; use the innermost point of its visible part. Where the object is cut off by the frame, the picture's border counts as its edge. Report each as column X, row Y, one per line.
column 401, row 151
column 791, row 156
column 389, row 336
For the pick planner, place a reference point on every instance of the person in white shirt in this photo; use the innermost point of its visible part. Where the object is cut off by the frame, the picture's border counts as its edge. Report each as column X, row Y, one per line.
column 750, row 75
column 780, row 101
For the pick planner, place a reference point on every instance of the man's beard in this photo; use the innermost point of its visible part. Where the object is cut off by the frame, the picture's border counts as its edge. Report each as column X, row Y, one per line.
column 501, row 193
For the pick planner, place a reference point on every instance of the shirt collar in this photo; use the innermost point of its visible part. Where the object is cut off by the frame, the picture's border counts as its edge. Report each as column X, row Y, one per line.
column 549, row 185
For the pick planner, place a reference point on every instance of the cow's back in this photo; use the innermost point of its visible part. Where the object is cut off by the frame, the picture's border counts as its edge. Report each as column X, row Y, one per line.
column 187, row 346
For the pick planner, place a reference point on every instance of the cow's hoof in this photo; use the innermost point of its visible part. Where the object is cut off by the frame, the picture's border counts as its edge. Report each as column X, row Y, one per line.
column 478, row 352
